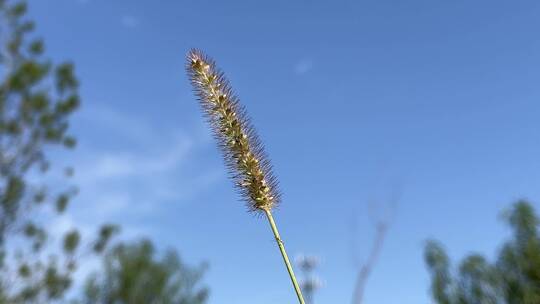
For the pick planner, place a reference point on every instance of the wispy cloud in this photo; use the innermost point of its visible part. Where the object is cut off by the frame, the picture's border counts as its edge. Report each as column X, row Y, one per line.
column 129, row 21
column 303, row 66
column 110, row 165
column 145, row 174
column 140, row 176
column 136, row 182
column 127, row 126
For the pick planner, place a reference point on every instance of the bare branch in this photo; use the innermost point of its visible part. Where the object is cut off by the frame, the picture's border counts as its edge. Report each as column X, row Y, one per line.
column 365, row 270
column 381, row 217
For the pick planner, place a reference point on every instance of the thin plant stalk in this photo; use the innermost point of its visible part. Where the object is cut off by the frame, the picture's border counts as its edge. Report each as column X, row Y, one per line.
column 242, row 149
column 285, row 256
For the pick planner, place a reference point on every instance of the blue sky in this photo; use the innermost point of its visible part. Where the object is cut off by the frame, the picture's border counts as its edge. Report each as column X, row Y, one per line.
column 435, row 102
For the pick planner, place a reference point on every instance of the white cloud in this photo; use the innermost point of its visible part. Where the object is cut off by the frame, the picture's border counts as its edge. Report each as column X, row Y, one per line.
column 140, row 175
column 303, row 66
column 106, row 165
column 109, row 166
column 130, row 184
column 125, row 125
column 133, row 182
column 129, row 21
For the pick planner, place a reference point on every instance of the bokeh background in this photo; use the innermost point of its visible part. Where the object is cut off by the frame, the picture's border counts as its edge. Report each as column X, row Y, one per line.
column 421, row 114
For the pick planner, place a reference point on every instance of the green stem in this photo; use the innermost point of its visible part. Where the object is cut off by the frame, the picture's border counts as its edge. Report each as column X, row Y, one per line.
column 285, row 256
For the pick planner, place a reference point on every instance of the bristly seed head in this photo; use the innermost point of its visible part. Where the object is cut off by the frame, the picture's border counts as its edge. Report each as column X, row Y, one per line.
column 242, row 150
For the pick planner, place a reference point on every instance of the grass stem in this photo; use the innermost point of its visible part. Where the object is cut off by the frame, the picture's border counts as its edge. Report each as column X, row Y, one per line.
column 285, row 256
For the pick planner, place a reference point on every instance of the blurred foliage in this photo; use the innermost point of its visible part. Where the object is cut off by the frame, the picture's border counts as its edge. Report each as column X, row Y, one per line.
column 514, row 278
column 132, row 274
column 37, row 97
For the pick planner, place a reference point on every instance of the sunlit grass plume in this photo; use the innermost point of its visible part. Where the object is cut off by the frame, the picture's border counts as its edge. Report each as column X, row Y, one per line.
column 242, row 149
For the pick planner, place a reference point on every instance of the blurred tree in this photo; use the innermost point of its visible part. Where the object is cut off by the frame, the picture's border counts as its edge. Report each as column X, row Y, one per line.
column 36, row 99
column 514, row 278
column 309, row 282
column 132, row 275
column 382, row 214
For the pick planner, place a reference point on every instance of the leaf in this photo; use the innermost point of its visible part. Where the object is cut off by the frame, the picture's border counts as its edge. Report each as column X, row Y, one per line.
column 71, row 241
column 36, row 47
column 62, row 202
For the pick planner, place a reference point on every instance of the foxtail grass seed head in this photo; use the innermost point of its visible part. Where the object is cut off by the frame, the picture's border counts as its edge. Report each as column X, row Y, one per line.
column 242, row 150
